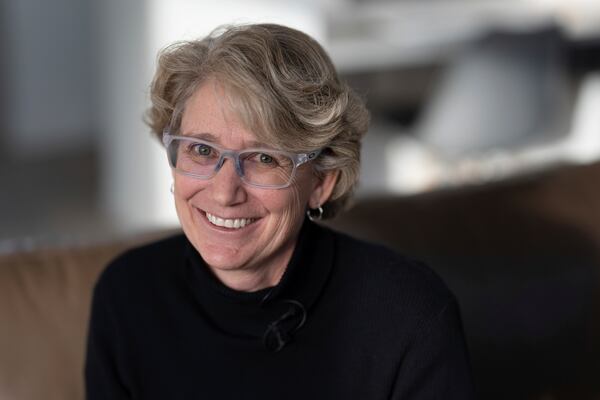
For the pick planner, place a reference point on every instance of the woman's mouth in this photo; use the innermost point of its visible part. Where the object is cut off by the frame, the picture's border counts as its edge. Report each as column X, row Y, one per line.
column 234, row 223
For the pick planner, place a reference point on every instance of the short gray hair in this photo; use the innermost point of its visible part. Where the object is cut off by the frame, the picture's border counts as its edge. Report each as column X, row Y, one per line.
column 283, row 86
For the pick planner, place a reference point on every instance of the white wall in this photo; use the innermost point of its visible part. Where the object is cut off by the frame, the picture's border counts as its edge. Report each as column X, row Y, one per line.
column 48, row 91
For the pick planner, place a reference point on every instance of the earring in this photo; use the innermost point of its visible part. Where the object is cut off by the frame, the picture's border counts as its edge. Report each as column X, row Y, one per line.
column 315, row 214
column 172, row 188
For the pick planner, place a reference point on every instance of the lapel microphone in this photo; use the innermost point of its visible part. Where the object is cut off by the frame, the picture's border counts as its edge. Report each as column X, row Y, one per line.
column 281, row 331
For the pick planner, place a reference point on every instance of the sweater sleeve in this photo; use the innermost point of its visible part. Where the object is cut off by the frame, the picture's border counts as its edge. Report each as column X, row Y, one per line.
column 436, row 364
column 102, row 377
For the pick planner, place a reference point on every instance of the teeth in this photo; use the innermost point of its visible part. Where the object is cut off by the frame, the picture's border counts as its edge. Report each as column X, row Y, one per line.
column 229, row 223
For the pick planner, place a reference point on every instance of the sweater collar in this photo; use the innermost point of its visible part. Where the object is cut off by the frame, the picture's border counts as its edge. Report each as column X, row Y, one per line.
column 250, row 314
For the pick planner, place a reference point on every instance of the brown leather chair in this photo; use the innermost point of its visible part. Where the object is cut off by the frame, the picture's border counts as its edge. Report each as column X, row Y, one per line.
column 45, row 297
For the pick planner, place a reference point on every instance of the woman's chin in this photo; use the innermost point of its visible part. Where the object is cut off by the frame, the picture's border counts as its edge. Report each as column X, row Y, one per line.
column 223, row 259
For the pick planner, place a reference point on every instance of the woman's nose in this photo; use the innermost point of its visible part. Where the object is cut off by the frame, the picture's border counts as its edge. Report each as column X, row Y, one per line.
column 227, row 186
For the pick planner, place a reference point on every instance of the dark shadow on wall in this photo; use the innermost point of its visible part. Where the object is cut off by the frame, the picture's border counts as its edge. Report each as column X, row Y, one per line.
column 523, row 258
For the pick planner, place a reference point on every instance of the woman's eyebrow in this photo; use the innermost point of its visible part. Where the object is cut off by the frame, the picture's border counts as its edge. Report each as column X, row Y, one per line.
column 203, row 135
column 259, row 145
column 209, row 137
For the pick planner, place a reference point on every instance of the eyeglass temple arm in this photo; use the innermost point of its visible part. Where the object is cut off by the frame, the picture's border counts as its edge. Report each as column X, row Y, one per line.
column 302, row 158
column 166, row 137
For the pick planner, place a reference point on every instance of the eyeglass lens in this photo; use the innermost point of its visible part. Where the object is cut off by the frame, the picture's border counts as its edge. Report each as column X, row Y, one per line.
column 264, row 167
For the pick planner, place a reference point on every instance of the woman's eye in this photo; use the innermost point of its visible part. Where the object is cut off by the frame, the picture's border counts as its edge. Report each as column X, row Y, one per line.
column 202, row 149
column 265, row 158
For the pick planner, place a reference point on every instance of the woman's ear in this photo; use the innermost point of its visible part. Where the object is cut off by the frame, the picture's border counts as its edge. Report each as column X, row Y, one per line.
column 322, row 192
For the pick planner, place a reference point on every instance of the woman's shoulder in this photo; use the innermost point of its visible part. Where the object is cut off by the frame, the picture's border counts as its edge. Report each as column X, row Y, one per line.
column 143, row 262
column 391, row 277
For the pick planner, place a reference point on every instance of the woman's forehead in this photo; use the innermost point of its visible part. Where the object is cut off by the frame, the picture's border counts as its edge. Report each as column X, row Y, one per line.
column 215, row 109
column 208, row 115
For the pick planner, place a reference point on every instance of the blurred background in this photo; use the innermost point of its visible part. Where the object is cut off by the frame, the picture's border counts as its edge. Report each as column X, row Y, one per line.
column 461, row 92
column 483, row 157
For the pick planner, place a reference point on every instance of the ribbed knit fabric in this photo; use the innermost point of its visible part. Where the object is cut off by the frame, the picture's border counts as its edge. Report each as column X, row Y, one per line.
column 348, row 320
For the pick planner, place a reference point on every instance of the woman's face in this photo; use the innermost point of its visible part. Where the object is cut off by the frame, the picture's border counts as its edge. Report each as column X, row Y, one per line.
column 263, row 246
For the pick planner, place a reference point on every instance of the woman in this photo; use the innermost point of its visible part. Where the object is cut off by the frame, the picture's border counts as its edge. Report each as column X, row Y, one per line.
column 255, row 300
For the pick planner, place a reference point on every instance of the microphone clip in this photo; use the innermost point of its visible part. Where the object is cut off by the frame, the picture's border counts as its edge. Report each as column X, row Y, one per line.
column 281, row 331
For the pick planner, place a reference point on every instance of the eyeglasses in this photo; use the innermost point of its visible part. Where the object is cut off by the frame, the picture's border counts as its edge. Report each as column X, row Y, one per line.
column 259, row 167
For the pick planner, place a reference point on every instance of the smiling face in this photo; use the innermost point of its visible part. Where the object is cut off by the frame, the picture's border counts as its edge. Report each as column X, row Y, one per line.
column 245, row 234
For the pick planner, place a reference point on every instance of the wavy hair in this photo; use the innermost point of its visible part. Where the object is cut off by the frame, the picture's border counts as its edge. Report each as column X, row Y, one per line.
column 283, row 86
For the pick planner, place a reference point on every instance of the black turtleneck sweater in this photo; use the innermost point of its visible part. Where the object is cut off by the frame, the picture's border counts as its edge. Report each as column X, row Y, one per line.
column 348, row 320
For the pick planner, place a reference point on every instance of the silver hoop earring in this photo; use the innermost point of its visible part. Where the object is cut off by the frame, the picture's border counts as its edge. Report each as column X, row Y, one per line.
column 315, row 214
column 172, row 188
